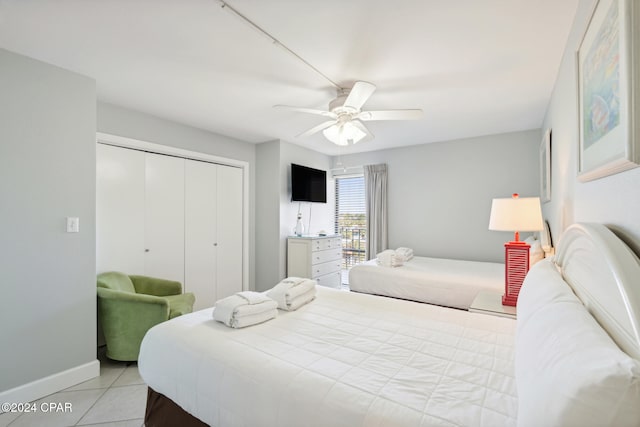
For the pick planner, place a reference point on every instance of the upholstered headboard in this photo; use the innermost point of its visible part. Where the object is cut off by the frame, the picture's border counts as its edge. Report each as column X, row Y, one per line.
column 605, row 274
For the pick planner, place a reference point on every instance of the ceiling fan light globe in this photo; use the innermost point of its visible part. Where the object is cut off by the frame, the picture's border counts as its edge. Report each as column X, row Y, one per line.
column 332, row 134
column 343, row 134
column 351, row 132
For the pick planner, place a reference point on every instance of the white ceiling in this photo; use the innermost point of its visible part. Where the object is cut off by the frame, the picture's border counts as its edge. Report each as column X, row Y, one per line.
column 475, row 67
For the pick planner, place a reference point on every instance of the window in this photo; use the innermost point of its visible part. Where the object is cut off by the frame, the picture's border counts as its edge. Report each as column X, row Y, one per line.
column 351, row 219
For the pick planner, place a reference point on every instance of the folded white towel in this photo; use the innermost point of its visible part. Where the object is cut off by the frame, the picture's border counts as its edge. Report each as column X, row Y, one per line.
column 253, row 297
column 385, row 253
column 293, row 304
column 388, row 258
column 294, row 281
column 245, row 309
column 289, row 289
column 405, row 253
column 254, row 319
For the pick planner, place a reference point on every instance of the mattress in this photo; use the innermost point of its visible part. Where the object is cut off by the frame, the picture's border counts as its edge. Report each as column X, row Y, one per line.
column 447, row 282
column 346, row 359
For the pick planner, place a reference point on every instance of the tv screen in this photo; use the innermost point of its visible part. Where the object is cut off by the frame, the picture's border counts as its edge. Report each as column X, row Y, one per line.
column 308, row 184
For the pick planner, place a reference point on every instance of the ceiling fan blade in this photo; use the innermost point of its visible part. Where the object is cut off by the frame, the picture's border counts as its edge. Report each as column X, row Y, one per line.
column 360, row 92
column 390, row 115
column 316, row 129
column 307, row 110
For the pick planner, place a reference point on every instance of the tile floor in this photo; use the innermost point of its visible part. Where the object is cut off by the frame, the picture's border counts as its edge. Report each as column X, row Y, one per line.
column 116, row 398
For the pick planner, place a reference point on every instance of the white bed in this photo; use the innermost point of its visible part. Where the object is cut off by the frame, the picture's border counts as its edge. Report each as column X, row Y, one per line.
column 350, row 359
column 446, row 282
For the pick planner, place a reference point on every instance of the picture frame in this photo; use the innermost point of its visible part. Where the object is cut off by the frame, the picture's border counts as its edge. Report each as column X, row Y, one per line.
column 608, row 75
column 545, row 167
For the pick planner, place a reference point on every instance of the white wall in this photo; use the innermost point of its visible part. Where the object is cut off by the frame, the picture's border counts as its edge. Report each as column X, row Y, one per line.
column 613, row 200
column 276, row 214
column 120, row 121
column 440, row 193
column 47, row 172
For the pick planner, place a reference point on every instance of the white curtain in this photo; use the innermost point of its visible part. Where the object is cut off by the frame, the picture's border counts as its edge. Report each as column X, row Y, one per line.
column 375, row 188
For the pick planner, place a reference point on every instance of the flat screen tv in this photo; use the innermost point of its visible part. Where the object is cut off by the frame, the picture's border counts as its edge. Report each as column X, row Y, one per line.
column 308, row 184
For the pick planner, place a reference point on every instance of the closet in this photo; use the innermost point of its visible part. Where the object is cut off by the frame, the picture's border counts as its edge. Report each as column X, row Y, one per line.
column 170, row 217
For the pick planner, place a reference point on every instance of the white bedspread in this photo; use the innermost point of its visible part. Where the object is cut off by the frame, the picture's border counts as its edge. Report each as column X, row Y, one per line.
column 346, row 359
column 447, row 282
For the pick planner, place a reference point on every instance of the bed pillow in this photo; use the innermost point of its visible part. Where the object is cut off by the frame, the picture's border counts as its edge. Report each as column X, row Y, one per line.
column 569, row 372
column 541, row 287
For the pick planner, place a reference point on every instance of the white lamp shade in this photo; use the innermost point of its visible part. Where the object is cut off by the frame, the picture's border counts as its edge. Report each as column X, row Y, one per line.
column 516, row 214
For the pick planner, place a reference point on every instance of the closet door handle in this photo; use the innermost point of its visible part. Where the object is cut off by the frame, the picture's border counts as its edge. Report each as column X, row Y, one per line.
column 146, row 250
column 215, row 244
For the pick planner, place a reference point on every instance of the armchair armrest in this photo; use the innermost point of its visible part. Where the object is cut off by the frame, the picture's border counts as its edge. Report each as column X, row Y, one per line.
column 154, row 286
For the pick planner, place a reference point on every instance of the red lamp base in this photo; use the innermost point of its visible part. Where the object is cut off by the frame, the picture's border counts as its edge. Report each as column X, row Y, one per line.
column 516, row 264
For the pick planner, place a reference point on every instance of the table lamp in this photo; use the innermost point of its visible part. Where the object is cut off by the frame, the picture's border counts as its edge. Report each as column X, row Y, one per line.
column 515, row 214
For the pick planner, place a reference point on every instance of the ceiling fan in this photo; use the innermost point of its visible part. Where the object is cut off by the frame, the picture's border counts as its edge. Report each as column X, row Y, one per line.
column 346, row 116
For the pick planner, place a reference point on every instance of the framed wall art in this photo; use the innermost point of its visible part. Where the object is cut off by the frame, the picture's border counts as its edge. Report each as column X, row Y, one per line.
column 607, row 77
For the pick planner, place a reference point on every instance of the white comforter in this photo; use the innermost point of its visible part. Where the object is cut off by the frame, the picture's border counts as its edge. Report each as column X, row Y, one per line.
column 447, row 282
column 345, row 359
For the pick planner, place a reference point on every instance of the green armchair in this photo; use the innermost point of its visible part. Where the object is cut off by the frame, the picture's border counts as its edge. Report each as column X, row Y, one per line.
column 128, row 306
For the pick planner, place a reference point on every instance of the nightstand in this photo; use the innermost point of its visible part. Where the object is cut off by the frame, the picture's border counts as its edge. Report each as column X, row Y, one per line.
column 488, row 302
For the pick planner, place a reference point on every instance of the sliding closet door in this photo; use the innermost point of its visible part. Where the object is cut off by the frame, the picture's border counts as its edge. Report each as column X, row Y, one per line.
column 229, row 216
column 164, row 217
column 200, row 232
column 171, row 218
column 120, row 190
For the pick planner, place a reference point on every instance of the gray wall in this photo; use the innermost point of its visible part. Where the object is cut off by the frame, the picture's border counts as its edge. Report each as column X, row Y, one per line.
column 613, row 200
column 120, row 121
column 47, row 172
column 268, row 269
column 315, row 216
column 440, row 193
column 277, row 215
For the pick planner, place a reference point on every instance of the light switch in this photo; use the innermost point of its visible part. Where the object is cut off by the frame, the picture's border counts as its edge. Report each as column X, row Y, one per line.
column 73, row 224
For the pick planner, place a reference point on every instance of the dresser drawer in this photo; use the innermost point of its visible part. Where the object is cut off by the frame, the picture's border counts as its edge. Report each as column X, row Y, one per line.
column 335, row 242
column 332, row 280
column 319, row 257
column 324, row 244
column 325, row 268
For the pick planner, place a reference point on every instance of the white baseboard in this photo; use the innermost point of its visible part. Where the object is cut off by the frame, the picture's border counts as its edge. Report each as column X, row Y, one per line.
column 51, row 384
